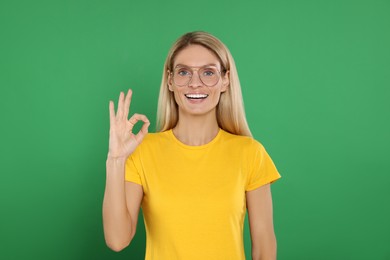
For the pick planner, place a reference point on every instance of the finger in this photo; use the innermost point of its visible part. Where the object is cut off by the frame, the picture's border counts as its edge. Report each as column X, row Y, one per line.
column 119, row 114
column 137, row 117
column 112, row 111
column 144, row 129
column 142, row 132
column 127, row 104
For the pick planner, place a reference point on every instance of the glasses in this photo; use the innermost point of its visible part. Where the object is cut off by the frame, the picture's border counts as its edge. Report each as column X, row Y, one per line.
column 208, row 75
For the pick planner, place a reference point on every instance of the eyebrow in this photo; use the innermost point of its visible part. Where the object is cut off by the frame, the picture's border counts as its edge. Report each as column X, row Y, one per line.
column 207, row 65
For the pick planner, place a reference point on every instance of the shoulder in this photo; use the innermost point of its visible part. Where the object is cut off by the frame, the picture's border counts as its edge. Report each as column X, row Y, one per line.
column 152, row 142
column 246, row 143
column 153, row 139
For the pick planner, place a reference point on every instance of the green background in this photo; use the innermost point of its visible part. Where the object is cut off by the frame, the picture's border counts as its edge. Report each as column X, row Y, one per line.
column 315, row 77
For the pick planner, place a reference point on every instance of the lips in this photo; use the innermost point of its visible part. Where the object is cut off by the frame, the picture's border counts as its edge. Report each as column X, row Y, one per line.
column 196, row 96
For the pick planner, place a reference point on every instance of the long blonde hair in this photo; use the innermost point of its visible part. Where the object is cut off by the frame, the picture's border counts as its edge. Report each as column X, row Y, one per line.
column 230, row 109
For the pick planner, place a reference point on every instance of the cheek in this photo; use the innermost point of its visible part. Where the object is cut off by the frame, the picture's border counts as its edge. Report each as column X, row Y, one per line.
column 214, row 98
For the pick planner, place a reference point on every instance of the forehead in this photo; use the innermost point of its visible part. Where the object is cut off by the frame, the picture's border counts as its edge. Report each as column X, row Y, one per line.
column 196, row 56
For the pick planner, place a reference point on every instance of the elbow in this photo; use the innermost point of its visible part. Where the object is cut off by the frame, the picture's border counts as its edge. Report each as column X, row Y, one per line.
column 118, row 245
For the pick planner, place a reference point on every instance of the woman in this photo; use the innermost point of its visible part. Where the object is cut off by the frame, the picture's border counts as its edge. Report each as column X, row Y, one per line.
column 197, row 175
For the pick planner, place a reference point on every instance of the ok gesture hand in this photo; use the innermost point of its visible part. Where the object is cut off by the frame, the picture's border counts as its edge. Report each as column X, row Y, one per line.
column 123, row 141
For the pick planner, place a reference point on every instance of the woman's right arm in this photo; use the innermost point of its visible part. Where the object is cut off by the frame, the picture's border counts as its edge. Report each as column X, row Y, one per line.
column 121, row 199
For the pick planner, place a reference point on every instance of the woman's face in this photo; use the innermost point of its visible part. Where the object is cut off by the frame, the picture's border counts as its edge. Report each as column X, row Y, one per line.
column 199, row 66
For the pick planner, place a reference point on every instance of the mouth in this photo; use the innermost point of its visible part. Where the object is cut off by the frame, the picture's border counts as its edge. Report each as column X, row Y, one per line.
column 196, row 96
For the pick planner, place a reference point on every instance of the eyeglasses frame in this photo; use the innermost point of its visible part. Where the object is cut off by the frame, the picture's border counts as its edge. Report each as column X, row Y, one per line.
column 198, row 68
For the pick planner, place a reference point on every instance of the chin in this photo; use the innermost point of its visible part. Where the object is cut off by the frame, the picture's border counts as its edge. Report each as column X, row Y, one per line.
column 198, row 111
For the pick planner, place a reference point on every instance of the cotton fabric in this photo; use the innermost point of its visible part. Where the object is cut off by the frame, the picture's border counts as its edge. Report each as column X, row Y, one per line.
column 194, row 196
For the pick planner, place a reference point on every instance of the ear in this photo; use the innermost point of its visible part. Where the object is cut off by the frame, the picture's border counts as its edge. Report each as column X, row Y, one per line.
column 170, row 81
column 225, row 81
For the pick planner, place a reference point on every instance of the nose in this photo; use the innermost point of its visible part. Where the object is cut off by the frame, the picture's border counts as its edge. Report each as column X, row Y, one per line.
column 195, row 80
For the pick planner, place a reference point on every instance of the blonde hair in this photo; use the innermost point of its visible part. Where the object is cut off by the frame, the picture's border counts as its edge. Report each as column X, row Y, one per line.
column 230, row 109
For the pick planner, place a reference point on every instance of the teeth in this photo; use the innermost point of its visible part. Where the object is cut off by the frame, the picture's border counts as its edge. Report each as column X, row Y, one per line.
column 196, row 96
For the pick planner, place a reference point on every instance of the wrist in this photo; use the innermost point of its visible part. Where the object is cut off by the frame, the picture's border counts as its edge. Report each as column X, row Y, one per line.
column 111, row 158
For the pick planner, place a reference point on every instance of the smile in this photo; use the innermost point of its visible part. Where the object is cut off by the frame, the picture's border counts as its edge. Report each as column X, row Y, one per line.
column 196, row 96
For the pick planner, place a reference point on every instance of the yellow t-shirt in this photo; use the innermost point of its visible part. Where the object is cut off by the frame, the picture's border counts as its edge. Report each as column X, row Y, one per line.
column 194, row 196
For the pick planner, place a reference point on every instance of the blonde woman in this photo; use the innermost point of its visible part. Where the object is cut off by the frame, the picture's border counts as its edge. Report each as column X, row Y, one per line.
column 199, row 173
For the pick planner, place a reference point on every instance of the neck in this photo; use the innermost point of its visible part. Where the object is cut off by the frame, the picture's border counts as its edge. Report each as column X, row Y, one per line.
column 196, row 130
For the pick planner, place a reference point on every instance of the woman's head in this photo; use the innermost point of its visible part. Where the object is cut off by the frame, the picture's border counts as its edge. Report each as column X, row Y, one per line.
column 229, row 110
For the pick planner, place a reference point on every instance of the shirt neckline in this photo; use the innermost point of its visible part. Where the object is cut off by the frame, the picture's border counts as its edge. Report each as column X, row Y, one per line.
column 195, row 147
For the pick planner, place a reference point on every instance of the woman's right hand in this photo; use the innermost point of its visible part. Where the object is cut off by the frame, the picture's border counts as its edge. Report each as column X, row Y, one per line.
column 122, row 140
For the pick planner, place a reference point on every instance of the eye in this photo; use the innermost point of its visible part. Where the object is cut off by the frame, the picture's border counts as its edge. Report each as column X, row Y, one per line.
column 184, row 72
column 209, row 72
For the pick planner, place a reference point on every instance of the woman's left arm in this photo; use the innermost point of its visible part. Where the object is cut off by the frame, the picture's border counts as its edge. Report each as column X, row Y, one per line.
column 260, row 213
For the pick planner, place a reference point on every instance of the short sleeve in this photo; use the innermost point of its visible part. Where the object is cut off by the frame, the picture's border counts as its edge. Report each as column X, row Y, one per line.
column 131, row 171
column 262, row 169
